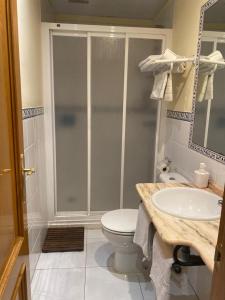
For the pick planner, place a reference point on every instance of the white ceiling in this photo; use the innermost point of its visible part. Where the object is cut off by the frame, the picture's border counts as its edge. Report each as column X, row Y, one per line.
column 135, row 9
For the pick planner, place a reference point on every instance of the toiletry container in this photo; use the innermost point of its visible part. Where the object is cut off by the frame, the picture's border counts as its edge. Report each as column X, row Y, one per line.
column 201, row 176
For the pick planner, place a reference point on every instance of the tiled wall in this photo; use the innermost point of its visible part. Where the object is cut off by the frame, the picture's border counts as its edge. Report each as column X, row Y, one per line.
column 34, row 150
column 186, row 161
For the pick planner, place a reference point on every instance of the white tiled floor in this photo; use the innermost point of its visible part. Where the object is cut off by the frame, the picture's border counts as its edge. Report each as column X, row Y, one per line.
column 88, row 275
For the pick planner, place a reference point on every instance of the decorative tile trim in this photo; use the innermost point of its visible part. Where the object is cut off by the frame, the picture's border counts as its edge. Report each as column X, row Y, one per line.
column 32, row 112
column 200, row 149
column 207, row 152
column 179, row 115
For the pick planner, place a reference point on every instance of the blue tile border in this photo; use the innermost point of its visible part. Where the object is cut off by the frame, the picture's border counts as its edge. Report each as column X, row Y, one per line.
column 32, row 112
column 179, row 115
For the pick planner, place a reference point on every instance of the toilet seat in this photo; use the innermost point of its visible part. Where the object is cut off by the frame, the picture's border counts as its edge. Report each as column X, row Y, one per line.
column 120, row 221
column 119, row 232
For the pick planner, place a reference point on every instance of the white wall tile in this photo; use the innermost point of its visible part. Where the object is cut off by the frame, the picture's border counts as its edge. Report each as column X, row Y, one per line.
column 186, row 161
column 34, row 150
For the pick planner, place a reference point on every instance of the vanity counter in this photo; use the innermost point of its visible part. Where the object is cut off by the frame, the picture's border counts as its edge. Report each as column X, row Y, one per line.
column 200, row 235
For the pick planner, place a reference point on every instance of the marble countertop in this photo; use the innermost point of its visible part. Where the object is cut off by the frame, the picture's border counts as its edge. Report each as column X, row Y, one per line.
column 200, row 235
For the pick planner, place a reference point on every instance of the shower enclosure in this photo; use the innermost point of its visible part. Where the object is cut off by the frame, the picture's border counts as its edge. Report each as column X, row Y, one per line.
column 100, row 116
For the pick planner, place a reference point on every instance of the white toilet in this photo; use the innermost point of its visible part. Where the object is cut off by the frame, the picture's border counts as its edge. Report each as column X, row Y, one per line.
column 119, row 227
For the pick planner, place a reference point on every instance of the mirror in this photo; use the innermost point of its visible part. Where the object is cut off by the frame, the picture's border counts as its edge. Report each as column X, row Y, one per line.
column 208, row 127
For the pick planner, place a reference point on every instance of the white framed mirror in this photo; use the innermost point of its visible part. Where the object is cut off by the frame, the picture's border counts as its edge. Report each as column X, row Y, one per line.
column 207, row 134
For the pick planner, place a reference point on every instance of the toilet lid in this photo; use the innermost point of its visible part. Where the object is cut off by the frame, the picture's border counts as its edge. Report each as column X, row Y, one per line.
column 120, row 220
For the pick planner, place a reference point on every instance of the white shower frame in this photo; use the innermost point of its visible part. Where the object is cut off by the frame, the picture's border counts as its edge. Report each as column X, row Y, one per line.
column 48, row 30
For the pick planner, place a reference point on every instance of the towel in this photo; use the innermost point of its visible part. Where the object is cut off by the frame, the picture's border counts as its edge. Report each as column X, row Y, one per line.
column 149, row 63
column 166, row 283
column 206, row 76
column 159, row 87
column 144, row 232
column 161, row 268
column 168, row 95
column 163, row 86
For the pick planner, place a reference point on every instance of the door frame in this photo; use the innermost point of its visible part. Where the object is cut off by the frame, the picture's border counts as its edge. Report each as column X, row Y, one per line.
column 218, row 287
column 20, row 247
column 48, row 30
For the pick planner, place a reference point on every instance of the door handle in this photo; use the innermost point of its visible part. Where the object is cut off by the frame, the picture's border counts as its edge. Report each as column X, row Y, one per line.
column 5, row 171
column 29, row 171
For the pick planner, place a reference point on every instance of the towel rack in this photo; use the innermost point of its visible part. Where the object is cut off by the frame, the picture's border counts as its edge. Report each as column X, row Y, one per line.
column 153, row 66
column 221, row 64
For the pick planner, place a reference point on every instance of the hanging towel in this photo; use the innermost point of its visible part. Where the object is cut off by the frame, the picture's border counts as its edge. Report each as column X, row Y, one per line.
column 161, row 268
column 144, row 232
column 165, row 281
column 159, row 87
column 206, row 76
column 168, row 95
column 163, row 86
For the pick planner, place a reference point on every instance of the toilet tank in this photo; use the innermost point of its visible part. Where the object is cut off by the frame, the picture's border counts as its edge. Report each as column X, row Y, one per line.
column 172, row 177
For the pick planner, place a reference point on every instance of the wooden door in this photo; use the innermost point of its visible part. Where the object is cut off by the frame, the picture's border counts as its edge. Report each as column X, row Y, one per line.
column 218, row 286
column 14, row 266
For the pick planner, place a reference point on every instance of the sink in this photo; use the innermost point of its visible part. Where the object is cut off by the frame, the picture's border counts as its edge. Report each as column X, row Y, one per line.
column 188, row 203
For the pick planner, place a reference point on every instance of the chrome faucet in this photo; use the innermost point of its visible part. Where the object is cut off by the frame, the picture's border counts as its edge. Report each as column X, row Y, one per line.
column 220, row 202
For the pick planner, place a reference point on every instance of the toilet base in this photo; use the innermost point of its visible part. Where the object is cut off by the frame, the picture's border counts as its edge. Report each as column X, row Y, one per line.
column 125, row 262
column 127, row 255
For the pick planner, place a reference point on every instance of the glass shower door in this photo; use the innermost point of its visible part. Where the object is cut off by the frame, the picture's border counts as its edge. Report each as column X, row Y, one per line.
column 141, row 120
column 70, row 95
column 107, row 81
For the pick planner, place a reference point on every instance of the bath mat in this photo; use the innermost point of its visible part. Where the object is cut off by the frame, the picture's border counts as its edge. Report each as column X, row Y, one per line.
column 64, row 239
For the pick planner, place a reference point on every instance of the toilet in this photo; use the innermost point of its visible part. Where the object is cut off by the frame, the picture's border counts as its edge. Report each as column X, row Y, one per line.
column 171, row 177
column 119, row 227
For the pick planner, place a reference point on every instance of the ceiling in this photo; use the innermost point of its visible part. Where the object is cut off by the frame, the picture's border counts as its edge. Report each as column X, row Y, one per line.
column 134, row 9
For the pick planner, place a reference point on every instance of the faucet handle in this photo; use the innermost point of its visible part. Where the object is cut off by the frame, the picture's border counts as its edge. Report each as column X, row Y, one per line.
column 220, row 202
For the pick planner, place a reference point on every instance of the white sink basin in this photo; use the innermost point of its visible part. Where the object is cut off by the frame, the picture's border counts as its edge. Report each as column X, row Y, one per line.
column 188, row 203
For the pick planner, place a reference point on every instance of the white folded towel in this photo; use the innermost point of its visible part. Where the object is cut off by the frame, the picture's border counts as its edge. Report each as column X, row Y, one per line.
column 206, row 76
column 144, row 232
column 159, row 87
column 163, row 86
column 150, row 62
column 166, row 283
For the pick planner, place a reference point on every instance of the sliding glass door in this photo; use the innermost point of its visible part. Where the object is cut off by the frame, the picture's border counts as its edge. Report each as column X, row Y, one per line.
column 107, row 77
column 141, row 120
column 105, row 123
column 70, row 98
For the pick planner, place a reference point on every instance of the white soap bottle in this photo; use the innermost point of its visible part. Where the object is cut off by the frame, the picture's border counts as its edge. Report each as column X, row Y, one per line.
column 201, row 179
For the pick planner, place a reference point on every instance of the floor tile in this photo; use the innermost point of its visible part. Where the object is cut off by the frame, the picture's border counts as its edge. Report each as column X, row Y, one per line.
column 52, row 284
column 147, row 288
column 178, row 287
column 61, row 260
column 99, row 253
column 95, row 234
column 102, row 284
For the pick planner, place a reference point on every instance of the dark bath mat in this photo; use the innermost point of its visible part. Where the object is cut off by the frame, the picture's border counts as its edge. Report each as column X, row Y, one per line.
column 64, row 239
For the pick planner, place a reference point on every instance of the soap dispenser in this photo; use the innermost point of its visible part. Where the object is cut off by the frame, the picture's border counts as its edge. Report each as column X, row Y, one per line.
column 201, row 179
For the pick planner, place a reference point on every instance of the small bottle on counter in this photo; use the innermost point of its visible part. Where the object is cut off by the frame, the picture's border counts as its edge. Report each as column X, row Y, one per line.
column 201, row 178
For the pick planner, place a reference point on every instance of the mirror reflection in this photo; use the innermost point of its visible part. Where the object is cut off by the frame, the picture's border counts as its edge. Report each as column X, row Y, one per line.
column 209, row 118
